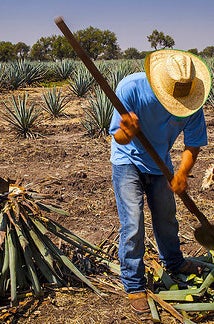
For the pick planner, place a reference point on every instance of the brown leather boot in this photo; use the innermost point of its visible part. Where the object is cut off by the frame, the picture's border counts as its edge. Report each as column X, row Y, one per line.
column 138, row 302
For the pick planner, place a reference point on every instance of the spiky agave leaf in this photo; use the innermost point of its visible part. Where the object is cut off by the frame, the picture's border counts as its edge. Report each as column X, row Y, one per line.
column 81, row 81
column 119, row 71
column 64, row 68
column 15, row 79
column 31, row 71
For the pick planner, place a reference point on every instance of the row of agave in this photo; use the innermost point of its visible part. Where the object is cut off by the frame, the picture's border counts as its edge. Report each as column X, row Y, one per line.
column 97, row 114
column 23, row 117
column 22, row 73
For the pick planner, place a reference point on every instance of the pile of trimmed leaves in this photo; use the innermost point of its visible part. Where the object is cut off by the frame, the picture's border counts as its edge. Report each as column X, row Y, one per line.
column 30, row 261
column 28, row 256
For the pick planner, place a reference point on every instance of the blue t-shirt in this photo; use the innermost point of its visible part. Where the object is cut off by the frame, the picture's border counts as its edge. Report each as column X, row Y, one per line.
column 157, row 124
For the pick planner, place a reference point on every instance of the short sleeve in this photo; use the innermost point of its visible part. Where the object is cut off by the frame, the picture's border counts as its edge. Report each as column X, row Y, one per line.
column 195, row 132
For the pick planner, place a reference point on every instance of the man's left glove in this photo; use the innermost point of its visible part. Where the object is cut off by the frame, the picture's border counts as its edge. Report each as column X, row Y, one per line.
column 129, row 127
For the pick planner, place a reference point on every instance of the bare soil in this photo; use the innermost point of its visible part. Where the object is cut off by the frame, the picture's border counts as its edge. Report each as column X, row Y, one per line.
column 75, row 169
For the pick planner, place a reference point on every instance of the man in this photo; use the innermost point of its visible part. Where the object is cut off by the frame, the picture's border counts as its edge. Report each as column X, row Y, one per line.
column 163, row 102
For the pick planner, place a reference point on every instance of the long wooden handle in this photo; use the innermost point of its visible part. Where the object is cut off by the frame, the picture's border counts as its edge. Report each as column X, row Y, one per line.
column 188, row 202
column 109, row 92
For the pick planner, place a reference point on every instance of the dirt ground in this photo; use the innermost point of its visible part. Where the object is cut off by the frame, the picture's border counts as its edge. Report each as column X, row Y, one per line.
column 75, row 169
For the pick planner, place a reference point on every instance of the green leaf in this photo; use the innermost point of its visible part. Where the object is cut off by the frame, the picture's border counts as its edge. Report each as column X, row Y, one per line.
column 154, row 311
column 29, row 261
column 5, row 269
column 51, row 208
column 181, row 294
column 208, row 280
column 3, row 227
column 67, row 235
column 195, row 307
column 12, row 264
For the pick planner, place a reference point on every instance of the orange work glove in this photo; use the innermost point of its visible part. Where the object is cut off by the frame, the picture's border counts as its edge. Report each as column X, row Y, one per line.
column 129, row 127
column 179, row 182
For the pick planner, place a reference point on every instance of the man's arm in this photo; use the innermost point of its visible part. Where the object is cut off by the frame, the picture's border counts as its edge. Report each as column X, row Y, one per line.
column 179, row 181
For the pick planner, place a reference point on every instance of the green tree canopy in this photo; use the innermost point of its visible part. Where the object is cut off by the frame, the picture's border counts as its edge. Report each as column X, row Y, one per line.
column 42, row 49
column 144, row 53
column 131, row 53
column 208, row 51
column 193, row 51
column 160, row 41
column 95, row 42
column 61, row 49
column 21, row 50
column 7, row 51
column 98, row 43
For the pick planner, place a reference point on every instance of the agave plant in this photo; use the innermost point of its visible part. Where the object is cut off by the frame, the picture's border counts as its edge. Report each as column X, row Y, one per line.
column 31, row 71
column 64, row 69
column 81, row 81
column 54, row 102
column 16, row 78
column 20, row 117
column 119, row 72
column 139, row 65
column 103, row 67
column 28, row 256
column 97, row 116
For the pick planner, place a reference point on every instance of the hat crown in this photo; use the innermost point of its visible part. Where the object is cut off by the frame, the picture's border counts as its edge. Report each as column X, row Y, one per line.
column 180, row 80
column 180, row 68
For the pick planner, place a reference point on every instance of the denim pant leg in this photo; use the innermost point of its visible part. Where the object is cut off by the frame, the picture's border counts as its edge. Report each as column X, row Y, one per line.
column 129, row 199
column 163, row 209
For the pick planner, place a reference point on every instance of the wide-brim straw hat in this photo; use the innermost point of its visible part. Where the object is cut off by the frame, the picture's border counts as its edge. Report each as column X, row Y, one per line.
column 180, row 80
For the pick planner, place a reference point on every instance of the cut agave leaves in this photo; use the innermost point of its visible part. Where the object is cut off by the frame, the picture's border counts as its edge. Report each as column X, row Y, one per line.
column 29, row 258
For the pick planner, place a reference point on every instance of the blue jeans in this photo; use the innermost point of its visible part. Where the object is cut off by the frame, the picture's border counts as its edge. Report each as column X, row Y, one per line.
column 130, row 185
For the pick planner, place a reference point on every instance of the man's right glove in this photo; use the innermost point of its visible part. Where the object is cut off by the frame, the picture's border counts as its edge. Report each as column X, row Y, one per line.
column 129, row 127
column 179, row 182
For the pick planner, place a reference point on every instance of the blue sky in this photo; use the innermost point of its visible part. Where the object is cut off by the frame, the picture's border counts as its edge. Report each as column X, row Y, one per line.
column 189, row 22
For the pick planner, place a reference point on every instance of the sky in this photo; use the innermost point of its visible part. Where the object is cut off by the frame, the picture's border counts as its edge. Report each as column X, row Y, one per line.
column 189, row 22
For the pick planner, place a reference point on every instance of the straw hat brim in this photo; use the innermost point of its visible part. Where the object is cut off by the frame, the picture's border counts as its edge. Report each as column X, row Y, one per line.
column 183, row 106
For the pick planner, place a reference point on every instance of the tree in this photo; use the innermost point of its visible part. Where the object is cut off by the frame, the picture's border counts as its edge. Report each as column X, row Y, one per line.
column 61, row 49
column 159, row 41
column 21, row 50
column 111, row 49
column 208, row 51
column 144, row 53
column 131, row 53
column 42, row 49
column 98, row 43
column 193, row 51
column 7, row 51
